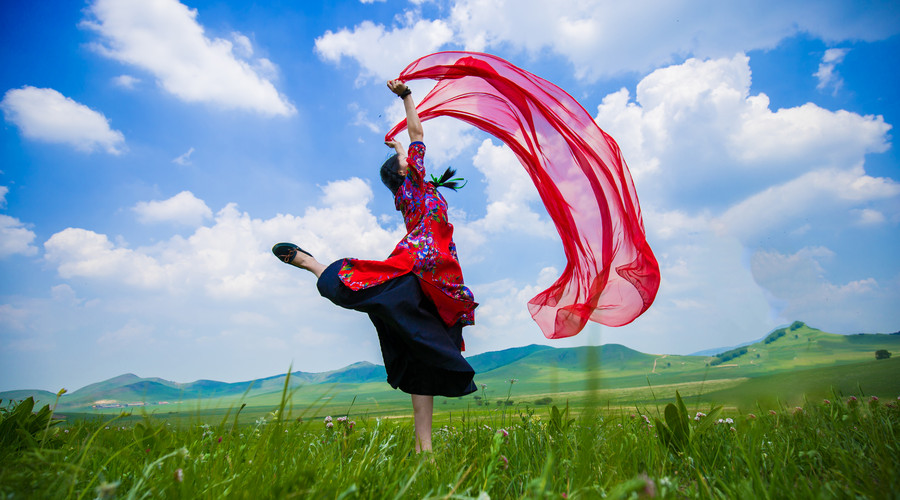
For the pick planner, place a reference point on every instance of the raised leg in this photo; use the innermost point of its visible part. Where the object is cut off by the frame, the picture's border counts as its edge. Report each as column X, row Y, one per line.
column 308, row 262
column 423, row 409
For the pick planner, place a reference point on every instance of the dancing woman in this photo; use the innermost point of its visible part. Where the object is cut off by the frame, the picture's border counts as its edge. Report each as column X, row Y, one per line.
column 416, row 297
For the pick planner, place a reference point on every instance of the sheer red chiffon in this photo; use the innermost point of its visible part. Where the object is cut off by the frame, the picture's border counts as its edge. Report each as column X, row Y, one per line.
column 611, row 275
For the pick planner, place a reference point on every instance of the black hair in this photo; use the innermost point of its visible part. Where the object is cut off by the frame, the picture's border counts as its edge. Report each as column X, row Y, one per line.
column 390, row 174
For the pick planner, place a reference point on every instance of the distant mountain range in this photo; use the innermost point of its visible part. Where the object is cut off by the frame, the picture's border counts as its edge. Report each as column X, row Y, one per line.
column 543, row 368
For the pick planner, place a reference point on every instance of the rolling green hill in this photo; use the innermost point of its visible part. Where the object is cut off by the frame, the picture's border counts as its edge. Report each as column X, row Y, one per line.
column 786, row 364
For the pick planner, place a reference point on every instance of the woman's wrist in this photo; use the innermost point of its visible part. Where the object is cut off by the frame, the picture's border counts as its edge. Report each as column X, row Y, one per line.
column 405, row 93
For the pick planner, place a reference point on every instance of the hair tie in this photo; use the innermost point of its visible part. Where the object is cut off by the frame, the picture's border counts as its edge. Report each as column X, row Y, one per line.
column 446, row 181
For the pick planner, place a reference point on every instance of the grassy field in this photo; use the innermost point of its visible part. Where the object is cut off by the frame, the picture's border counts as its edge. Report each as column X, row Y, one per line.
column 802, row 414
column 845, row 447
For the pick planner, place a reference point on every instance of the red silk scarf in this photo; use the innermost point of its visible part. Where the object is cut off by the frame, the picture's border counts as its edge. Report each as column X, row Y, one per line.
column 611, row 275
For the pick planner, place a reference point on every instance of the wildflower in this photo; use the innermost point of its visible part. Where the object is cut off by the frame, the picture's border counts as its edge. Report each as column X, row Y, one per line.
column 503, row 432
column 827, row 402
column 645, row 418
column 504, row 462
column 220, row 439
column 328, row 419
column 720, row 421
column 483, row 386
column 179, row 475
column 342, row 419
column 773, row 412
column 751, row 416
column 729, row 420
column 329, row 425
column 798, row 410
column 351, row 424
column 873, row 400
column 699, row 415
column 733, row 429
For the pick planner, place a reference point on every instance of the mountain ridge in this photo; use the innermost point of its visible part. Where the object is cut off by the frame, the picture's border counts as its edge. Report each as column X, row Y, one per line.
column 792, row 347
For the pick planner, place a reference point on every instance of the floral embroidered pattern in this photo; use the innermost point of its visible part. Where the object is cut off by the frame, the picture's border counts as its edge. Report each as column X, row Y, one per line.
column 427, row 250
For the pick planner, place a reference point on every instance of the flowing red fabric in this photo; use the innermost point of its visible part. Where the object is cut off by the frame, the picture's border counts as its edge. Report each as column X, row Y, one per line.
column 611, row 275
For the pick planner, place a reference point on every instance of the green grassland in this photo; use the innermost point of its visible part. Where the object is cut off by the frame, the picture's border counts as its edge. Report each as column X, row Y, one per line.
column 790, row 364
column 842, row 448
column 800, row 414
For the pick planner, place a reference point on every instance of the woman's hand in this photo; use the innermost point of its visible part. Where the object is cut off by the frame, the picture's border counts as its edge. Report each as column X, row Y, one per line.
column 397, row 86
column 413, row 123
column 397, row 145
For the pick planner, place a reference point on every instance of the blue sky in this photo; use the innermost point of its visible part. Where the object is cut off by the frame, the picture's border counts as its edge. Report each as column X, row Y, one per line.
column 153, row 151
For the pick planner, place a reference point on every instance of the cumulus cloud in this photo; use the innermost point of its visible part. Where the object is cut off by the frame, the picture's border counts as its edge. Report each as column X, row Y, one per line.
column 82, row 253
column 164, row 38
column 231, row 257
column 804, row 197
column 599, row 38
column 826, row 74
column 800, row 289
column 695, row 137
column 46, row 115
column 183, row 208
column 15, row 237
column 509, row 194
column 383, row 52
column 722, row 171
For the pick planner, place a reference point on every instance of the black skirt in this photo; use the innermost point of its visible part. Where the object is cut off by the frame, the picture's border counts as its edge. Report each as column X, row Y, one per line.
column 421, row 353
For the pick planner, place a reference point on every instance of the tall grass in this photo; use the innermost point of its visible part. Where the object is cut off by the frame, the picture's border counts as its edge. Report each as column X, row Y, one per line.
column 842, row 448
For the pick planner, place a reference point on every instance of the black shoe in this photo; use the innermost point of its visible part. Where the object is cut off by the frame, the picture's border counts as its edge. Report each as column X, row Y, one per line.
column 287, row 251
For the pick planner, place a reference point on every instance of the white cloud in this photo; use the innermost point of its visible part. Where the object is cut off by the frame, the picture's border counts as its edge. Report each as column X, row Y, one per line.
column 183, row 208
column 869, row 217
column 82, row 253
column 184, row 159
column 509, row 192
column 600, row 38
column 15, row 237
column 694, row 137
column 821, row 193
column 126, row 81
column 46, row 115
column 383, row 52
column 164, row 38
column 826, row 74
column 362, row 118
column 230, row 258
column 800, row 289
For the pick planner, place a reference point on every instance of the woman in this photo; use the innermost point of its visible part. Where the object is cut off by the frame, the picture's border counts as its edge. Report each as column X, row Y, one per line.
column 416, row 298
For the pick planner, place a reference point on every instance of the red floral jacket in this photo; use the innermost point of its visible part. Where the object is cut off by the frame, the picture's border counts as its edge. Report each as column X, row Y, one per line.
column 427, row 250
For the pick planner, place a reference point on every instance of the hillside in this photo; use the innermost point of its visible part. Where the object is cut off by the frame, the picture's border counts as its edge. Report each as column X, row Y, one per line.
column 536, row 369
